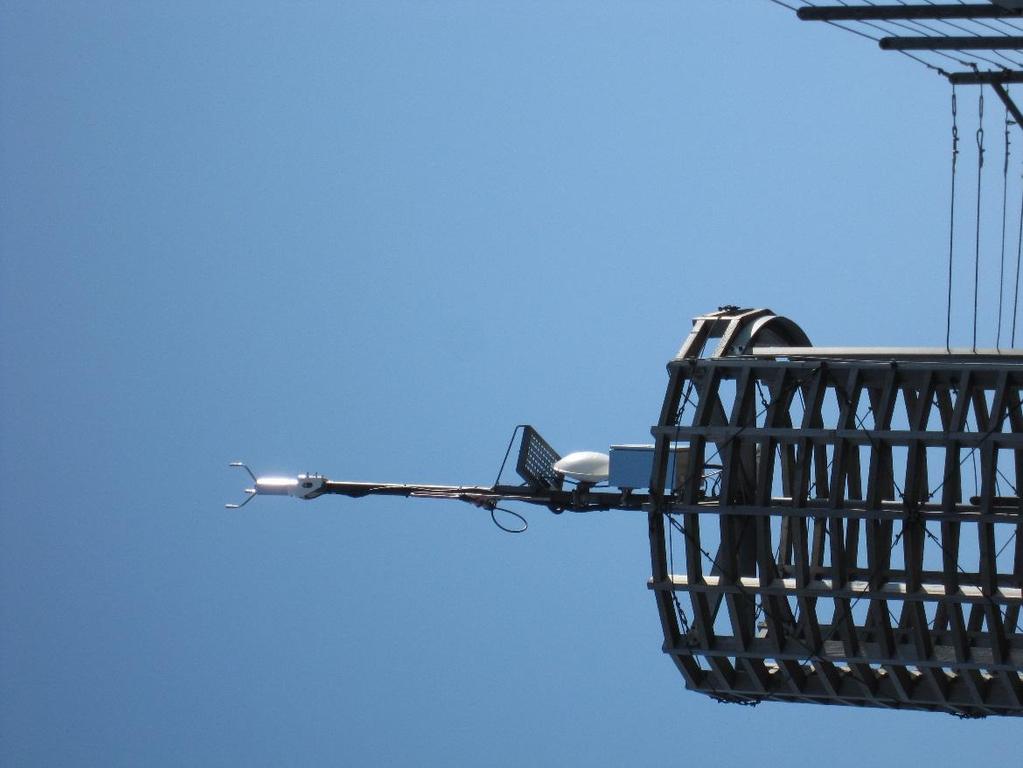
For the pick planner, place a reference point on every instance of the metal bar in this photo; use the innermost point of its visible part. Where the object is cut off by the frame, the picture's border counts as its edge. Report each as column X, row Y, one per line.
column 872, row 371
column 894, row 437
column 880, row 486
column 890, row 510
column 985, row 78
column 950, row 43
column 905, row 12
column 918, row 407
column 523, row 493
column 902, row 654
column 954, row 420
column 686, row 664
column 779, row 506
column 885, row 354
column 959, row 705
column 970, row 594
column 877, row 700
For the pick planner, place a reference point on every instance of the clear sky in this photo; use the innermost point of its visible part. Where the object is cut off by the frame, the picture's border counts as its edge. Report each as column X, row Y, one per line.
column 367, row 239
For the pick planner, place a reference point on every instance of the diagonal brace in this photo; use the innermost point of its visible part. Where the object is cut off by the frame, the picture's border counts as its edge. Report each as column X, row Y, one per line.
column 1009, row 103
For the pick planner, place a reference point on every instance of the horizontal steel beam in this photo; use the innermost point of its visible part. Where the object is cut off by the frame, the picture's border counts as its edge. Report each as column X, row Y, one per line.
column 905, row 12
column 960, row 706
column 1006, row 77
column 865, row 436
column 980, row 43
column 873, row 371
column 861, row 573
column 855, row 590
column 960, row 700
column 884, row 354
column 872, row 653
column 850, row 510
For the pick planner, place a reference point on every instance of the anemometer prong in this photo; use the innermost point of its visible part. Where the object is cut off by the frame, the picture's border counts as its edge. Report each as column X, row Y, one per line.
column 244, row 466
column 250, row 491
column 251, row 495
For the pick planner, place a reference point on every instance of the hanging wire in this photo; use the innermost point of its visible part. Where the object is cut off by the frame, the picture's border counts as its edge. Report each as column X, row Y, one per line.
column 781, row 395
column 885, row 31
column 494, row 509
column 524, row 524
column 683, row 618
column 917, row 26
column 952, row 220
column 1005, row 200
column 1015, row 292
column 1008, row 541
column 998, row 609
column 791, row 629
column 980, row 173
column 996, row 426
column 511, row 442
column 973, row 456
column 974, row 33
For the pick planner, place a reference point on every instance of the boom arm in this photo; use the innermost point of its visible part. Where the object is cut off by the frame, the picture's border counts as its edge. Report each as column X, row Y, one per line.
column 581, row 498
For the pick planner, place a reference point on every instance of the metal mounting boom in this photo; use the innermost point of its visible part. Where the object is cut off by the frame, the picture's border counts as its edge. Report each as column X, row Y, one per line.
column 906, row 12
column 950, row 43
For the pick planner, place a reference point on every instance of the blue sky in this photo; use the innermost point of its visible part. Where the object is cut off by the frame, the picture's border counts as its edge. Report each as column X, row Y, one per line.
column 367, row 239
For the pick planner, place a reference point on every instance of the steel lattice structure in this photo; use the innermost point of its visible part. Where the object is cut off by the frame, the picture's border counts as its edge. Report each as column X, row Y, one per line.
column 819, row 535
column 823, row 545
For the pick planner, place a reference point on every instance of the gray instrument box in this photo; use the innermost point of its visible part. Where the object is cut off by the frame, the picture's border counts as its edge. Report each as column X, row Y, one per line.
column 631, row 466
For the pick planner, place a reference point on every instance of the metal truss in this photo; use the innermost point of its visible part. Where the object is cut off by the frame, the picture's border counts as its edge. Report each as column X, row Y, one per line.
column 849, row 529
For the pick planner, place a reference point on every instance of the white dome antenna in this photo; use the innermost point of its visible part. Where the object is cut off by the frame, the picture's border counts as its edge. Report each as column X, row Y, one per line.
column 584, row 466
